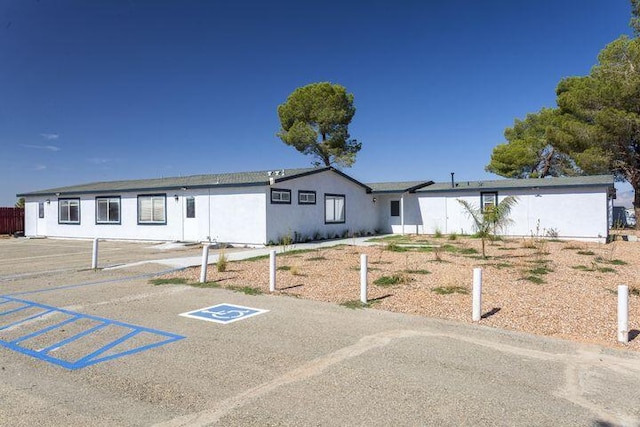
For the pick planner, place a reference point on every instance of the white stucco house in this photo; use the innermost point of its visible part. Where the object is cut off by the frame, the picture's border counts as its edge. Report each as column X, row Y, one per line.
column 258, row 208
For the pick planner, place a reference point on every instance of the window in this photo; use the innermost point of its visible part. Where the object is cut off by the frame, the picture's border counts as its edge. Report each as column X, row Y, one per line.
column 69, row 211
column 107, row 210
column 395, row 208
column 152, row 209
column 306, row 197
column 41, row 210
column 488, row 201
column 191, row 207
column 280, row 196
column 334, row 208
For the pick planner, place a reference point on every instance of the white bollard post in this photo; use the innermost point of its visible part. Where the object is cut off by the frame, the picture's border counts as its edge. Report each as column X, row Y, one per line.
column 205, row 261
column 272, row 271
column 623, row 314
column 94, row 258
column 363, row 278
column 477, row 294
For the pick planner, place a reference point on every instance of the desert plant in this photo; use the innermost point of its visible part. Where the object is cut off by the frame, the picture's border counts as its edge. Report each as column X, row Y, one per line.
column 437, row 233
column 453, row 236
column 447, row 290
column 488, row 222
column 221, row 265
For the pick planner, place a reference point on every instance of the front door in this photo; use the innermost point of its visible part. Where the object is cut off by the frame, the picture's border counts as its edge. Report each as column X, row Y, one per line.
column 190, row 220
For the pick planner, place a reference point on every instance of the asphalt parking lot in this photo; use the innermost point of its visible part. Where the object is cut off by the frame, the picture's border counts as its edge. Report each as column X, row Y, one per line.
column 105, row 347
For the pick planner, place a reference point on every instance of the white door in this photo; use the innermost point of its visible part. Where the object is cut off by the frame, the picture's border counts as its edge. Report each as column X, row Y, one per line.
column 190, row 220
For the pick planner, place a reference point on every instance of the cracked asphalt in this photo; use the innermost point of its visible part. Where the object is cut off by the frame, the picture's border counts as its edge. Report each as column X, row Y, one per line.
column 301, row 363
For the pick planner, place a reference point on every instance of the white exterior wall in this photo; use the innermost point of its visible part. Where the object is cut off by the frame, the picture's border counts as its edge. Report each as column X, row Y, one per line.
column 410, row 214
column 233, row 215
column 580, row 213
column 306, row 220
column 238, row 215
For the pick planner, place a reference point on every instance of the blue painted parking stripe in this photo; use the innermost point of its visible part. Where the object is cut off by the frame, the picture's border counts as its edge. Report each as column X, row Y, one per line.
column 72, row 339
column 88, row 359
column 45, row 330
column 26, row 319
column 15, row 310
column 108, row 347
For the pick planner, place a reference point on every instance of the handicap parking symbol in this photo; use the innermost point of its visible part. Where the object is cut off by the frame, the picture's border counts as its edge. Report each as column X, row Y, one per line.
column 224, row 313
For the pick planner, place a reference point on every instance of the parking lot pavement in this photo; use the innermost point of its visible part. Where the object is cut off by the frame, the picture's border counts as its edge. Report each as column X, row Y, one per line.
column 136, row 361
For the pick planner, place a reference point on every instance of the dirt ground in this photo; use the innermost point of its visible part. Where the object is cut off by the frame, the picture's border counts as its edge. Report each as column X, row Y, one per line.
column 564, row 289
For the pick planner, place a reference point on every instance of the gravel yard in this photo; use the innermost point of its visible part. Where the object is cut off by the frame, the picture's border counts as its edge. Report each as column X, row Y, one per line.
column 564, row 289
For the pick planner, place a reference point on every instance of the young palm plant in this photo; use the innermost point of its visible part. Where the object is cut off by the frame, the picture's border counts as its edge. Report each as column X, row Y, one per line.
column 490, row 221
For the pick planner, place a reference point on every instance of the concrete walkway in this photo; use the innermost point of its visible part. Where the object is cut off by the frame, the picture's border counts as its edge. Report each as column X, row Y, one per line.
column 192, row 261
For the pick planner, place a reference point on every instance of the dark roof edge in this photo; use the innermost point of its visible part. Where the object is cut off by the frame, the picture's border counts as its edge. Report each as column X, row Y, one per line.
column 142, row 189
column 529, row 187
column 324, row 169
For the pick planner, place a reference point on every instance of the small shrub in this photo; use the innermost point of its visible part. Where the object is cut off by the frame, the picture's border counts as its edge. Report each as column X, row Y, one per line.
column 221, row 265
column 284, row 268
column 170, row 281
column 204, row 285
column 317, row 258
column 503, row 265
column 453, row 236
column 394, row 279
column 248, row 290
column 437, row 233
column 540, row 270
column 447, row 290
column 468, row 251
column 582, row 268
column 606, row 270
column 394, row 247
column 618, row 262
column 355, row 304
column 586, row 253
column 534, row 279
column 634, row 291
column 295, row 270
column 417, row 271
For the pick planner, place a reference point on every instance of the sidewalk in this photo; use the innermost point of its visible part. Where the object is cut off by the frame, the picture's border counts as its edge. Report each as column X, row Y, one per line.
column 194, row 261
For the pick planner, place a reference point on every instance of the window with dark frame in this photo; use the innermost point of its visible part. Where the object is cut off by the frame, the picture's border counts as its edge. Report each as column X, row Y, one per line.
column 152, row 209
column 279, row 196
column 108, row 210
column 488, row 201
column 69, row 211
column 40, row 209
column 334, row 208
column 191, row 207
column 395, row 208
column 306, row 197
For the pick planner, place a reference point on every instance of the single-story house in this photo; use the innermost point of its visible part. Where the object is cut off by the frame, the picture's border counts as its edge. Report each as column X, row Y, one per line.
column 258, row 208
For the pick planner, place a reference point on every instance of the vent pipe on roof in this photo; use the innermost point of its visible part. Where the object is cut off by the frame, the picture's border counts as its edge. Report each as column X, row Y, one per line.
column 453, row 183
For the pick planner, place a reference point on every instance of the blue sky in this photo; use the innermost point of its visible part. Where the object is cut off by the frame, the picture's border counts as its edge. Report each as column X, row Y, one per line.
column 108, row 90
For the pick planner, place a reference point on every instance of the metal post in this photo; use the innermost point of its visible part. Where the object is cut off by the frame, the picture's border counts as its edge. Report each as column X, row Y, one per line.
column 205, row 261
column 272, row 271
column 94, row 259
column 477, row 294
column 623, row 314
column 363, row 278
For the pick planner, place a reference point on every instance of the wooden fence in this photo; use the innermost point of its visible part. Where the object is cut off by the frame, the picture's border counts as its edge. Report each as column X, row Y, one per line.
column 11, row 220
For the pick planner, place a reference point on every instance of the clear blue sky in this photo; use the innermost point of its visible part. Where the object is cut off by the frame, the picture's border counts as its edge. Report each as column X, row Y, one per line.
column 109, row 90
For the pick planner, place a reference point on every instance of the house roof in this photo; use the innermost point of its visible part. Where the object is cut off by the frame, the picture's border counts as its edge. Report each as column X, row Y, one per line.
column 398, row 187
column 238, row 179
column 533, row 183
